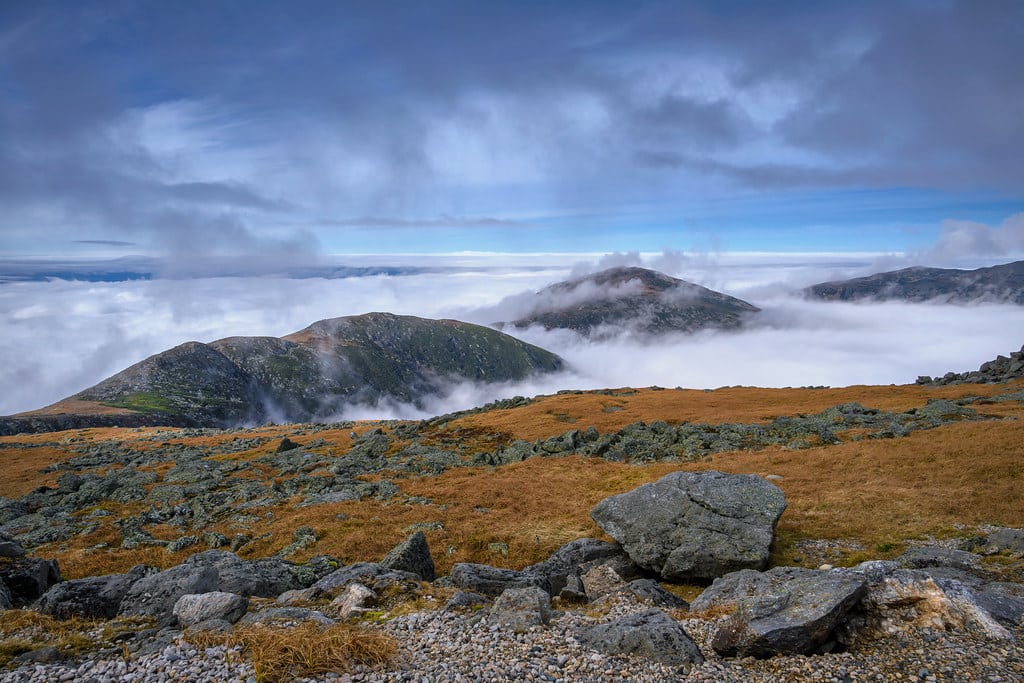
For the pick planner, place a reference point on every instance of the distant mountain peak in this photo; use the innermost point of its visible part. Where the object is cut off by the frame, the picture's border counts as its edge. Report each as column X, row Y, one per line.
column 633, row 299
column 1001, row 283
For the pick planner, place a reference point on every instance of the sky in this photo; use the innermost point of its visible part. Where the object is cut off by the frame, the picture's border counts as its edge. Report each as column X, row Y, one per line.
column 175, row 171
column 217, row 133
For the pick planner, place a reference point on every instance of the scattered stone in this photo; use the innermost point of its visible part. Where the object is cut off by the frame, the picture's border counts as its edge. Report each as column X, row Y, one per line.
column 695, row 526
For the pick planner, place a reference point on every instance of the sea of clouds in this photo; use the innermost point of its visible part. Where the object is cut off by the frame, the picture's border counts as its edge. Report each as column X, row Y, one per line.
column 61, row 336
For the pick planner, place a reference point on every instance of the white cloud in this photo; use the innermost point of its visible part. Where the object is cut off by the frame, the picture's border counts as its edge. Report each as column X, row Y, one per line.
column 60, row 337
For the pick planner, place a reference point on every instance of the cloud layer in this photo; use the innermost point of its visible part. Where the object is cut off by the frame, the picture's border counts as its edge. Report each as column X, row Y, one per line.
column 61, row 337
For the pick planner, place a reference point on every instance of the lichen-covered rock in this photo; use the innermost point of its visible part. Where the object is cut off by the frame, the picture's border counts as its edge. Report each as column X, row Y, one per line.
column 370, row 574
column 94, row 597
column 354, row 600
column 28, row 578
column 786, row 610
column 156, row 594
column 695, row 526
column 192, row 609
column 651, row 634
column 577, row 557
column 412, row 555
column 491, row 581
column 520, row 608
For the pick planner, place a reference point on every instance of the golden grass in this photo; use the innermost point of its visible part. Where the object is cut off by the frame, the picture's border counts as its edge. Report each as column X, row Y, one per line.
column 943, row 482
column 282, row 653
column 23, row 630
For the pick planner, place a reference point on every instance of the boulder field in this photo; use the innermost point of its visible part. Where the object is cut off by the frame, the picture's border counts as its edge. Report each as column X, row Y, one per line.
column 698, row 528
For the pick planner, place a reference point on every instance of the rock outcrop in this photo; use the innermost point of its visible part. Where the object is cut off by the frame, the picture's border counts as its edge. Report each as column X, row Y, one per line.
column 695, row 526
column 999, row 369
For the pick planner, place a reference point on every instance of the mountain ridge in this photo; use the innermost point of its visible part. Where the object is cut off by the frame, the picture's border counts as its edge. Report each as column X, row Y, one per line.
column 1000, row 283
column 310, row 374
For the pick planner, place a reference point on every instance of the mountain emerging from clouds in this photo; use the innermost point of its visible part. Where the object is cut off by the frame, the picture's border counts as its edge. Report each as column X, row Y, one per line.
column 1002, row 283
column 312, row 374
column 635, row 299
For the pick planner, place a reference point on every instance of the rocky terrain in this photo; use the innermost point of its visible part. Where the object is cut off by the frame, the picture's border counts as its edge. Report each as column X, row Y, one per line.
column 636, row 299
column 162, row 553
column 1002, row 283
column 999, row 369
column 308, row 375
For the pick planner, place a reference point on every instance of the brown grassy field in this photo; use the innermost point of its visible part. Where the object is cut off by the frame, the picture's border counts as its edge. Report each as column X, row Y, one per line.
column 873, row 494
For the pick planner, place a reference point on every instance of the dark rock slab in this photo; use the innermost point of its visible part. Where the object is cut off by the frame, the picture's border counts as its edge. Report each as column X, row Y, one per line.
column 94, row 597
column 491, row 581
column 371, row 574
column 786, row 610
column 651, row 634
column 28, row 578
column 577, row 557
column 155, row 595
column 695, row 526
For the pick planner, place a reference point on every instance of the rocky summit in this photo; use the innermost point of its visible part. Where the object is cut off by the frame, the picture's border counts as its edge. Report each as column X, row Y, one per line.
column 1002, row 283
column 634, row 299
column 311, row 374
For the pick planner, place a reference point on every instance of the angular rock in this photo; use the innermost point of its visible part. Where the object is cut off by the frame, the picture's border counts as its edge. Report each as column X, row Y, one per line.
column 576, row 557
column 262, row 578
column 1006, row 608
column 355, row 599
column 94, row 597
column 370, row 574
column 192, row 609
column 521, row 608
column 491, row 581
column 898, row 599
column 651, row 634
column 600, row 581
column 933, row 556
column 1007, row 540
column 786, row 610
column 9, row 547
column 285, row 615
column 412, row 555
column 156, row 595
column 28, row 578
column 695, row 526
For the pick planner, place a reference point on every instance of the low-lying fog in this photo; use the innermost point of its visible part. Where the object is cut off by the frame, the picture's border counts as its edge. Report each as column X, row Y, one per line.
column 63, row 336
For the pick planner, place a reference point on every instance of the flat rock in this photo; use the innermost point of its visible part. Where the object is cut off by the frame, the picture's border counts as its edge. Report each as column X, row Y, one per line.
column 94, row 597
column 192, row 609
column 491, row 581
column 695, row 526
column 371, row 574
column 651, row 634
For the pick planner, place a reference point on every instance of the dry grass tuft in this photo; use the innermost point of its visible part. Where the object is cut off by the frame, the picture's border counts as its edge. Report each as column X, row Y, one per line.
column 23, row 630
column 280, row 653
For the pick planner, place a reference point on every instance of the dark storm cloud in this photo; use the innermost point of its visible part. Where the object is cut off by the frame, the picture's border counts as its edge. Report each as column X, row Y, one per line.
column 141, row 120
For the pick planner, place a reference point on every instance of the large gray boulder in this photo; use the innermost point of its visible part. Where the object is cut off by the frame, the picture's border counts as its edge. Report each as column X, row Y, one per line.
column 651, row 634
column 10, row 547
column 262, row 578
column 156, row 594
column 412, row 555
column 28, row 578
column 695, row 526
column 94, row 597
column 786, row 610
